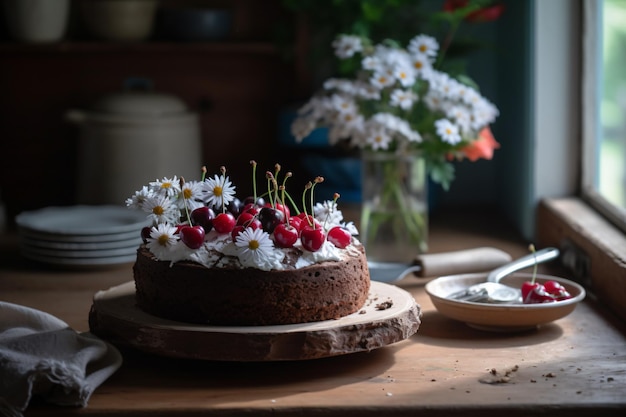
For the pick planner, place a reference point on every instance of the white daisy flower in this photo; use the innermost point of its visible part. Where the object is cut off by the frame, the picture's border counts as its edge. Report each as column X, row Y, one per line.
column 382, row 79
column 422, row 66
column 461, row 116
column 343, row 103
column 424, row 44
column 161, row 209
column 405, row 75
column 254, row 246
column 137, row 199
column 371, row 63
column 190, row 196
column 448, row 131
column 377, row 137
column 398, row 125
column 162, row 240
column 166, row 186
column 347, row 45
column 403, row 98
column 218, row 191
column 328, row 214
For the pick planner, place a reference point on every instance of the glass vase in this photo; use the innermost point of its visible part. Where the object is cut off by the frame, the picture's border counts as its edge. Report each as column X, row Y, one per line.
column 394, row 213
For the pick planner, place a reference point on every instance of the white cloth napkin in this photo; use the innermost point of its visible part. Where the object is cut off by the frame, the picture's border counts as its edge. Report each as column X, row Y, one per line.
column 42, row 356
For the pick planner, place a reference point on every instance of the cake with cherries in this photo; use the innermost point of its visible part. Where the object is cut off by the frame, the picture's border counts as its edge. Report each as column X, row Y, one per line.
column 211, row 258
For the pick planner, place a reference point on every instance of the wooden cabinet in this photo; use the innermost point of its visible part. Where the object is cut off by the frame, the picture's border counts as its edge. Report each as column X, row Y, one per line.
column 237, row 86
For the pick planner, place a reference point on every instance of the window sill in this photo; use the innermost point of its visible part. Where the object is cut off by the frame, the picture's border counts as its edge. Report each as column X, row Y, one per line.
column 592, row 248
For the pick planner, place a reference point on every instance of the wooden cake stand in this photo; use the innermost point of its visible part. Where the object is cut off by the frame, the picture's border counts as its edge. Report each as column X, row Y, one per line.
column 389, row 316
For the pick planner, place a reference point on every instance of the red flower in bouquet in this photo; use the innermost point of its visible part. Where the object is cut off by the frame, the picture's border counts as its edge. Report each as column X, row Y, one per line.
column 482, row 14
column 482, row 147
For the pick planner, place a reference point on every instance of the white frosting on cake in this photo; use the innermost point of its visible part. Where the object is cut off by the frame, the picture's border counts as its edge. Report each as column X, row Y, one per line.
column 216, row 245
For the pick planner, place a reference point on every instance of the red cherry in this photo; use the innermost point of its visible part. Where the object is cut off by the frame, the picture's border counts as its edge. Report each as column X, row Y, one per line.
column 236, row 230
column 339, row 236
column 250, row 208
column 224, row 222
column 312, row 238
column 535, row 293
column 203, row 216
column 285, row 235
column 295, row 222
column 192, row 236
column 308, row 219
column 557, row 290
column 245, row 217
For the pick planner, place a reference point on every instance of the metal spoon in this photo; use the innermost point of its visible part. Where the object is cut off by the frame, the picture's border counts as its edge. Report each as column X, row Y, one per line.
column 494, row 292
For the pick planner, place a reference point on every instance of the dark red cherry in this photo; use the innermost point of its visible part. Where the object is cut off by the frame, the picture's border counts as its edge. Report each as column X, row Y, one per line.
column 312, row 238
column 556, row 290
column 192, row 236
column 339, row 236
column 259, row 202
column 224, row 222
column 285, row 235
column 145, row 233
column 203, row 216
column 270, row 218
column 235, row 206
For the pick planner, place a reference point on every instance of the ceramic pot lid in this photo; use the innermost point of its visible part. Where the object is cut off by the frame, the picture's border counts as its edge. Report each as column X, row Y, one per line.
column 139, row 99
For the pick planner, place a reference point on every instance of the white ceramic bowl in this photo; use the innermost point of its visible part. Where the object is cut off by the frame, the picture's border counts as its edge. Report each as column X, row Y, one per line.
column 500, row 317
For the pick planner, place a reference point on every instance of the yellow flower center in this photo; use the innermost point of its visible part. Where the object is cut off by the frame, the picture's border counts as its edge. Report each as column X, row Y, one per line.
column 217, row 190
column 253, row 244
column 423, row 48
column 163, row 240
column 382, row 80
column 166, row 185
column 187, row 194
column 418, row 64
column 158, row 210
column 378, row 139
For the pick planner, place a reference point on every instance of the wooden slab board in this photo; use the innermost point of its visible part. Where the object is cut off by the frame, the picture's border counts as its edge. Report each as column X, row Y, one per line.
column 389, row 316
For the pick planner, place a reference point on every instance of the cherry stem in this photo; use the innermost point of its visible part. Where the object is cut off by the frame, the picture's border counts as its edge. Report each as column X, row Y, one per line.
column 275, row 182
column 295, row 206
column 223, row 172
column 182, row 193
column 253, row 163
column 332, row 208
column 308, row 186
column 531, row 247
column 270, row 179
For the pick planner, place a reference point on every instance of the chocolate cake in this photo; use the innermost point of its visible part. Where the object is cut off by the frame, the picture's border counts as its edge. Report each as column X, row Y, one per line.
column 211, row 258
column 189, row 292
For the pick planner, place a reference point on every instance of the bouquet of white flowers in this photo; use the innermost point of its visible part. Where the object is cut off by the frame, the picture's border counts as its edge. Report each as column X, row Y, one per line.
column 398, row 101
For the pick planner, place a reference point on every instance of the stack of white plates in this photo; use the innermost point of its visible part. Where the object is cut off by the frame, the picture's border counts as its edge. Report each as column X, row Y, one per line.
column 81, row 235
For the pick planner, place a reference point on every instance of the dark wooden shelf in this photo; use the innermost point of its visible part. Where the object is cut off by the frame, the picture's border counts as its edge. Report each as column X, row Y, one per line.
column 98, row 47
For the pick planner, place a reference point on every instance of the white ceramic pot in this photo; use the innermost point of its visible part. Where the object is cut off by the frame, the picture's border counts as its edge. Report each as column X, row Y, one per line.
column 119, row 20
column 36, row 20
column 131, row 138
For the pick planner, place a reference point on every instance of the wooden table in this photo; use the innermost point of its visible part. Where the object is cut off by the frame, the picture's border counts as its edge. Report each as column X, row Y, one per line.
column 576, row 365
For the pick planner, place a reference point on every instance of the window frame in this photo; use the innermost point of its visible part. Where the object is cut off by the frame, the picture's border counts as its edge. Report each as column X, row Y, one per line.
column 591, row 85
column 581, row 223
